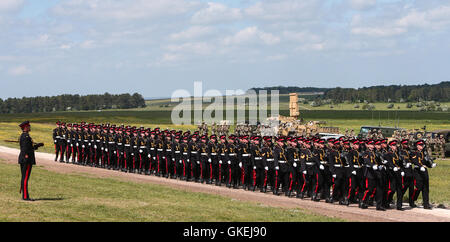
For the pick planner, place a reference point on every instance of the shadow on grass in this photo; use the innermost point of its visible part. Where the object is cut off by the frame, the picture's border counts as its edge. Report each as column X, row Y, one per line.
column 49, row 199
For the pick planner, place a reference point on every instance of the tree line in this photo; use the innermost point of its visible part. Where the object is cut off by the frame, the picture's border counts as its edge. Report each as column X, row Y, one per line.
column 393, row 93
column 69, row 102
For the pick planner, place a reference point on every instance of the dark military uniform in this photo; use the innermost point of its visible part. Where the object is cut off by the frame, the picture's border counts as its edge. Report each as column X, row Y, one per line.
column 422, row 161
column 26, row 160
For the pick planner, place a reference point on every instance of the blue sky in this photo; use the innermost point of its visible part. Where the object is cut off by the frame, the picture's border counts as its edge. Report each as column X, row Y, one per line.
column 52, row 47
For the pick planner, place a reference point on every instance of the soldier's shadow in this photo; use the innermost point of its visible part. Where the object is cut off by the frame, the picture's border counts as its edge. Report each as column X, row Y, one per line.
column 49, row 199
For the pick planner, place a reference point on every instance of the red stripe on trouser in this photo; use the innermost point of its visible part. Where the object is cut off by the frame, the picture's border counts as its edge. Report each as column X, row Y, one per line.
column 317, row 183
column 167, row 163
column 220, row 173
column 290, row 184
column 229, row 173
column 242, row 175
column 133, row 162
column 184, row 169
column 118, row 159
column 125, row 159
column 304, row 182
column 201, row 170
column 367, row 189
column 373, row 194
column 389, row 189
column 25, row 188
column 108, row 160
column 192, row 170
column 349, row 187
column 254, row 177
column 140, row 161
column 157, row 159
column 276, row 180
column 265, row 178
column 210, row 171
column 403, row 182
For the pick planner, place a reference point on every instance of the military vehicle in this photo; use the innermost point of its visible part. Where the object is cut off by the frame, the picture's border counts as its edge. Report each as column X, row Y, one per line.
column 386, row 132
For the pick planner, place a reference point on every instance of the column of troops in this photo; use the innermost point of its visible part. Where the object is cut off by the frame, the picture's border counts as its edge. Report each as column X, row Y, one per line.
column 345, row 171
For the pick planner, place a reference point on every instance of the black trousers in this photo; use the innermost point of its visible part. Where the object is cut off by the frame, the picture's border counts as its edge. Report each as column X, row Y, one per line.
column 422, row 184
column 394, row 186
column 26, row 172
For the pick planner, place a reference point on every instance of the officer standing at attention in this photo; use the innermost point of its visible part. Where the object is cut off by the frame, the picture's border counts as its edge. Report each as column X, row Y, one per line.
column 26, row 158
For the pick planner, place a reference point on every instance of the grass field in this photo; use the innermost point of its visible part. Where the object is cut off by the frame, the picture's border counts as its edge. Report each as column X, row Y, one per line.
column 63, row 197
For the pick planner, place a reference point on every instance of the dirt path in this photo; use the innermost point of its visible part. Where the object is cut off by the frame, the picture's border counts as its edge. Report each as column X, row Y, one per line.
column 351, row 213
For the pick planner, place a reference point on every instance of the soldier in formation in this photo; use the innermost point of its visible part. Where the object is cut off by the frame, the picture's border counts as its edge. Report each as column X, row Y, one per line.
column 368, row 172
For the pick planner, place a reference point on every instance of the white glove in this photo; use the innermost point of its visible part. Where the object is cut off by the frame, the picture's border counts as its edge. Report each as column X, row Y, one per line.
column 173, row 159
column 105, row 149
column 304, row 172
column 78, row 145
column 240, row 164
column 321, row 167
column 385, row 161
column 95, row 146
column 162, row 157
column 295, row 164
column 198, row 162
column 209, row 160
column 402, row 173
column 422, row 168
column 140, row 151
column 334, row 176
column 188, row 160
column 354, row 173
column 277, row 167
column 84, row 146
column 220, row 162
column 433, row 165
column 254, row 167
column 148, row 156
column 55, row 141
column 408, row 165
column 154, row 158
column 266, row 168
column 375, row 167
column 229, row 162
column 395, row 168
column 115, row 152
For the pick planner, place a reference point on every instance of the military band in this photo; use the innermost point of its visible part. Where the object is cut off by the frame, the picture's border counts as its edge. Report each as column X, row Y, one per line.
column 344, row 171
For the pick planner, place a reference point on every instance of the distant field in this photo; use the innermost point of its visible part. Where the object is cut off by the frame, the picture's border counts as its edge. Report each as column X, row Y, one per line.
column 77, row 198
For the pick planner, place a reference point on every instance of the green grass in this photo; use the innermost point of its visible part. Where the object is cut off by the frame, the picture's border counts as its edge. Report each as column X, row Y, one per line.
column 440, row 183
column 67, row 197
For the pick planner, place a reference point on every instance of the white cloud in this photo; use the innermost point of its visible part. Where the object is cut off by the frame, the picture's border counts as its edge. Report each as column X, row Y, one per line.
column 19, row 70
column 122, row 10
column 10, row 5
column 251, row 35
column 378, row 31
column 216, row 12
column 362, row 4
column 192, row 33
column 290, row 10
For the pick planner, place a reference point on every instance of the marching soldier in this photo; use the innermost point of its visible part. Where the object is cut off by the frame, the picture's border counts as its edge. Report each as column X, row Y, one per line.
column 214, row 157
column 176, row 158
column 269, row 166
column 257, row 161
column 355, row 187
column 221, row 172
column 395, row 174
column 408, row 178
column 422, row 161
column 57, row 140
column 185, row 166
column 281, row 166
column 233, row 163
column 373, row 184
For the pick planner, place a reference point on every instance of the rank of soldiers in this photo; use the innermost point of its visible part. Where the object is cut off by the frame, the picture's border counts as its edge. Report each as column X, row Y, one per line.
column 345, row 171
